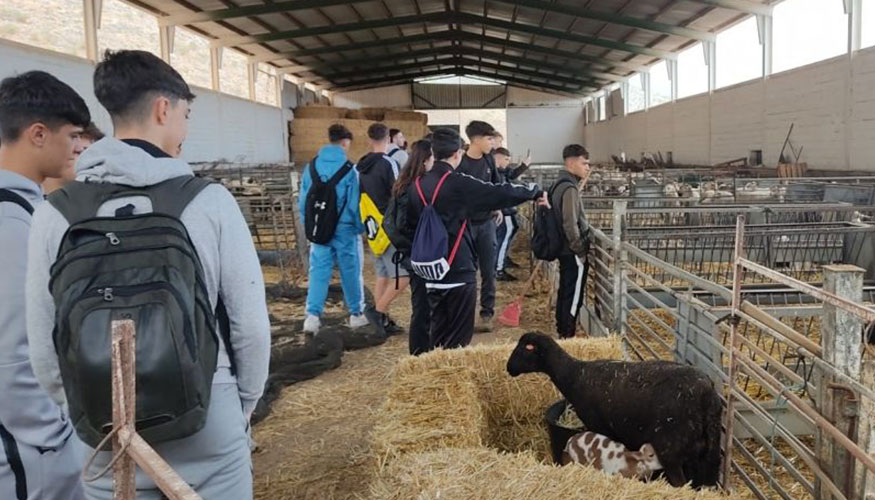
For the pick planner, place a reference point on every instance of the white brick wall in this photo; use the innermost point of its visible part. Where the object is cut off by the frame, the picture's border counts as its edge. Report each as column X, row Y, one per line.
column 221, row 126
column 832, row 104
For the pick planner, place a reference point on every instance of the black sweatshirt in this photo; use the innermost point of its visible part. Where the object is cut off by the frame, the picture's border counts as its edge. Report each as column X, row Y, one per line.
column 377, row 174
column 482, row 168
column 461, row 196
column 511, row 173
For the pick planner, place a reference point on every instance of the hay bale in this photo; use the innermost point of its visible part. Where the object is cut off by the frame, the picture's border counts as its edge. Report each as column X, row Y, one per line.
column 320, row 112
column 513, row 408
column 405, row 116
column 374, row 114
column 481, row 473
column 356, row 114
column 428, row 413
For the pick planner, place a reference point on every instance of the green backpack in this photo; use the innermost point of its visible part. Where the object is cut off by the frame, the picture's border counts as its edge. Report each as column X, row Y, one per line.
column 145, row 268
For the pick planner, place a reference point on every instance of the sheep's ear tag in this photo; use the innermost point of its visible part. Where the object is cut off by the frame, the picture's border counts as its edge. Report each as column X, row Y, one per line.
column 530, row 347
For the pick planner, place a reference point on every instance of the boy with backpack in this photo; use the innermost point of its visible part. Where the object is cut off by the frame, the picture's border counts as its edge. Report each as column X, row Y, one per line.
column 377, row 175
column 329, row 205
column 398, row 147
column 509, row 227
column 572, row 248
column 479, row 163
column 138, row 237
column 41, row 120
column 443, row 251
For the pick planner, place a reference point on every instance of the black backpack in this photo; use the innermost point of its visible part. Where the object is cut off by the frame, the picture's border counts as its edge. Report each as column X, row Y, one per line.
column 430, row 255
column 548, row 237
column 320, row 209
column 142, row 267
column 12, row 197
column 395, row 223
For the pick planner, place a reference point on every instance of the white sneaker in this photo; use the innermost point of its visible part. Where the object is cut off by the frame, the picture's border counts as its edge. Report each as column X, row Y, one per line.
column 312, row 324
column 358, row 321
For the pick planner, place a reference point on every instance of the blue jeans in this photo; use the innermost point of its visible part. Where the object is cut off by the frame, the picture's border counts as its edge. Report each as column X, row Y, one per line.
column 345, row 250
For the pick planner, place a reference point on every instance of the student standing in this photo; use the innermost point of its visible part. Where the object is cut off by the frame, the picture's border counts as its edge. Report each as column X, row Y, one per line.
column 421, row 160
column 453, row 300
column 573, row 265
column 345, row 247
column 377, row 175
column 89, row 136
column 479, row 163
column 149, row 104
column 398, row 147
column 509, row 227
column 41, row 120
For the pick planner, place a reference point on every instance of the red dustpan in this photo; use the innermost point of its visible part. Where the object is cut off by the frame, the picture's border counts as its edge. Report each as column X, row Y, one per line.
column 510, row 315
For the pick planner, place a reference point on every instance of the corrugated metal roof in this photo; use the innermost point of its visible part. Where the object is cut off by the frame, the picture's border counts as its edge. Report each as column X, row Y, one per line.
column 565, row 46
column 460, row 96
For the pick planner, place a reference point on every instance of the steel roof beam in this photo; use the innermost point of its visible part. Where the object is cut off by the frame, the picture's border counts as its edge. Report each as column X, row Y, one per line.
column 613, row 18
column 234, row 41
column 248, row 11
column 387, row 79
column 523, row 81
column 745, row 6
column 573, row 37
column 461, row 61
column 324, row 69
column 331, row 49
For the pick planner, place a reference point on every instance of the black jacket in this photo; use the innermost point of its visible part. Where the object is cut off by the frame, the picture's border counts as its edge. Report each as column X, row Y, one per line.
column 484, row 169
column 510, row 174
column 377, row 174
column 460, row 197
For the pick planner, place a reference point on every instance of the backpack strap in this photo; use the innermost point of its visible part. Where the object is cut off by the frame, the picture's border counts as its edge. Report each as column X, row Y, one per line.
column 436, row 189
column 458, row 242
column 225, row 331
column 10, row 196
column 78, row 201
column 434, row 195
column 340, row 174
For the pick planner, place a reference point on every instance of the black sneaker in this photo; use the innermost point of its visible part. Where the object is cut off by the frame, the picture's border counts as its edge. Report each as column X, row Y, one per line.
column 391, row 327
column 504, row 276
column 510, row 264
column 376, row 319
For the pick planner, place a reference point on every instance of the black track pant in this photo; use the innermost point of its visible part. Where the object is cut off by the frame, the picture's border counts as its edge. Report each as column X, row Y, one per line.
column 420, row 318
column 504, row 238
column 452, row 315
column 572, row 293
column 484, row 244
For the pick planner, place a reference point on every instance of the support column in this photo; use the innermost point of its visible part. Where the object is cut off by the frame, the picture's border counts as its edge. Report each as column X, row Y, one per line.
column 710, row 49
column 672, row 66
column 166, row 36
column 764, row 30
column 854, row 10
column 842, row 348
column 251, row 74
column 93, row 10
column 645, row 82
column 215, row 66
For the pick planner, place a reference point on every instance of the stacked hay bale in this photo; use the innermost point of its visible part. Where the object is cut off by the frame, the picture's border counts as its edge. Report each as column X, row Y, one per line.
column 310, row 127
column 455, row 425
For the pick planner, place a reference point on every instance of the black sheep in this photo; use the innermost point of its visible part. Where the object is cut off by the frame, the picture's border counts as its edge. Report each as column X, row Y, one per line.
column 672, row 406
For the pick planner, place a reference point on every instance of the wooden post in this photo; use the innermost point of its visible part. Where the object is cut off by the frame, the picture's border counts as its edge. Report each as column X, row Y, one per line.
column 123, row 405
column 842, row 348
column 133, row 449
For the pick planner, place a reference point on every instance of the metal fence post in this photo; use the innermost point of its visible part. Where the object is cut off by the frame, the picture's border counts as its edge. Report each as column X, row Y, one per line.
column 842, row 348
column 620, row 257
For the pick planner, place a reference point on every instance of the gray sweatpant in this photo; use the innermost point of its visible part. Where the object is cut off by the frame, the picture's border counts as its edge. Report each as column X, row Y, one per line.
column 51, row 475
column 215, row 461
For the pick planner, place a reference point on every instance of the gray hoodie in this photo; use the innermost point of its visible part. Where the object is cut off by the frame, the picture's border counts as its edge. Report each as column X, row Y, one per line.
column 25, row 408
column 220, row 236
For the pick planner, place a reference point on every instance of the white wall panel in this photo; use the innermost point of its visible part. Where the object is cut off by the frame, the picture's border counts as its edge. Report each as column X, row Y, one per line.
column 831, row 103
column 221, row 126
column 544, row 130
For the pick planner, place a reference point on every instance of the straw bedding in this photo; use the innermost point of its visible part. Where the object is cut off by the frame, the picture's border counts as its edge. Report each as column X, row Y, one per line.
column 453, row 388
column 482, row 473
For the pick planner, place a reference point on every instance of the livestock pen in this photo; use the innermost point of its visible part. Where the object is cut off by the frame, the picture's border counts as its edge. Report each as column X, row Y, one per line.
column 800, row 373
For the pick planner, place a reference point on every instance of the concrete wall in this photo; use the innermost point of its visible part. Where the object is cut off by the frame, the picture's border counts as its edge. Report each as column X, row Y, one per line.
column 221, row 127
column 543, row 123
column 831, row 102
column 396, row 96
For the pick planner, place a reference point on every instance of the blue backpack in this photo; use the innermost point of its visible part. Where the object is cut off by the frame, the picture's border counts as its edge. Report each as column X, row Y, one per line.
column 428, row 256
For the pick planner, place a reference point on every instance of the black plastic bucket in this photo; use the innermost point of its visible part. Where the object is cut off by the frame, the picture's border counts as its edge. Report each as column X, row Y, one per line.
column 559, row 436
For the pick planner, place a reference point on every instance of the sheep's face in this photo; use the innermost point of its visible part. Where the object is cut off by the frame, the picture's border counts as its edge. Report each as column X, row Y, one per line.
column 526, row 356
